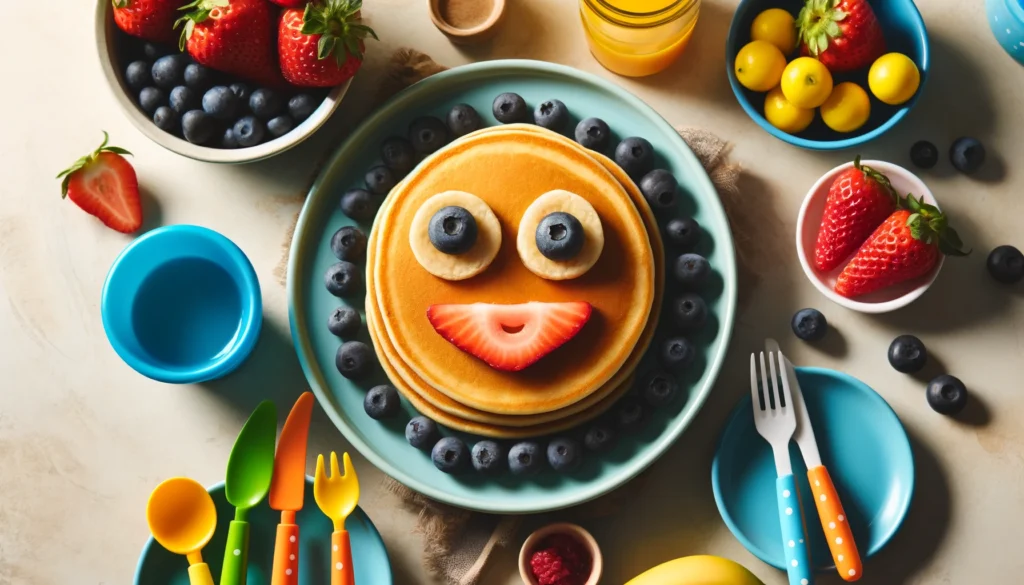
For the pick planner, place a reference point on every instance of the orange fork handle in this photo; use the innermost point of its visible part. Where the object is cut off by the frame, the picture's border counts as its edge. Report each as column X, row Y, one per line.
column 286, row 555
column 835, row 524
column 341, row 559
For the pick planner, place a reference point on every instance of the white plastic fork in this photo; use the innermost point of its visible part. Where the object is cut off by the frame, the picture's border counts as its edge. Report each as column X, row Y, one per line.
column 776, row 422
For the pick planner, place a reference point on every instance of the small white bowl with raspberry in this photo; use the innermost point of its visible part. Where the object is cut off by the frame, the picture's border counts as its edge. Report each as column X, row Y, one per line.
column 560, row 554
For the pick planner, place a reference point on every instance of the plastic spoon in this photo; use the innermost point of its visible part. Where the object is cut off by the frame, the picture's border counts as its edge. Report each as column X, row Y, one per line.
column 182, row 518
column 250, row 467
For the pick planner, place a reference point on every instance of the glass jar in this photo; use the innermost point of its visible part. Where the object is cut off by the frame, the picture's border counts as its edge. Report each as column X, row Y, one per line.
column 638, row 37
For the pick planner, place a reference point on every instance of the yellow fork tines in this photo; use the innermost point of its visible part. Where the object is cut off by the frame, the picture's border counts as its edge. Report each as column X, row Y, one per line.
column 337, row 494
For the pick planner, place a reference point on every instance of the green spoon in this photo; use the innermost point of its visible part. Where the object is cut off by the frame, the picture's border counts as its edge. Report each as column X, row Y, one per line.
column 250, row 468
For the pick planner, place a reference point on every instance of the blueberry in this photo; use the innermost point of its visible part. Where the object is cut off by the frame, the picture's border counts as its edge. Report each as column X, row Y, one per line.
column 250, row 131
column 692, row 270
column 907, row 354
column 551, row 114
column 220, row 103
column 594, row 134
column 967, row 155
column 559, row 236
column 1006, row 264
column 354, row 359
column 564, row 454
column 381, row 402
column 488, row 457
column 197, row 127
column 659, row 188
column 398, row 154
column 525, row 458
column 946, row 394
column 509, row 108
column 265, row 103
column 137, row 76
column 280, row 126
column 452, row 230
column 463, row 119
column 924, row 154
column 166, row 119
column 302, row 106
column 153, row 51
column 183, row 99
column 809, row 324
column 421, row 432
column 241, row 90
column 151, row 98
column 342, row 279
column 690, row 312
column 677, row 353
column 198, row 77
column 380, row 180
column 358, row 204
column 169, row 71
column 344, row 322
column 229, row 140
column 349, row 244
column 599, row 438
column 682, row 232
column 629, row 416
column 427, row 134
column 661, row 389
column 636, row 156
column 450, row 455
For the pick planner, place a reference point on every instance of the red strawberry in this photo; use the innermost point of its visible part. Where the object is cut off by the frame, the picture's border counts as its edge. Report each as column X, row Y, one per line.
column 233, row 36
column 322, row 46
column 842, row 34
column 104, row 184
column 509, row 337
column 859, row 199
column 907, row 245
column 290, row 3
column 152, row 20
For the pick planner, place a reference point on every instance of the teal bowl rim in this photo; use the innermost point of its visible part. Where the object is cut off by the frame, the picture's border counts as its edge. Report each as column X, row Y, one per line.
column 732, row 40
column 723, row 246
column 248, row 332
column 744, row 406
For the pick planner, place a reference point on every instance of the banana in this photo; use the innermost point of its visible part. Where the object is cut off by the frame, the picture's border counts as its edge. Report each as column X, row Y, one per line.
column 456, row 266
column 697, row 570
column 593, row 233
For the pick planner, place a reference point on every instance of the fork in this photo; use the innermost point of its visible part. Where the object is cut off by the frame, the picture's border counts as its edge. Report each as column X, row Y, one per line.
column 775, row 420
column 337, row 496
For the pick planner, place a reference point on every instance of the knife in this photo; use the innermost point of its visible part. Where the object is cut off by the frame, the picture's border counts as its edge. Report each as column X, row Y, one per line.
column 834, row 522
column 287, row 487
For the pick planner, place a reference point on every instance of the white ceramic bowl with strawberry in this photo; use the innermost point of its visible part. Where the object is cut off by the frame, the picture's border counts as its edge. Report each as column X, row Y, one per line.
column 859, row 255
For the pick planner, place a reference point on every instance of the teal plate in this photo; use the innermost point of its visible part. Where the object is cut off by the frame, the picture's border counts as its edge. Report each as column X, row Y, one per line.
column 383, row 443
column 370, row 561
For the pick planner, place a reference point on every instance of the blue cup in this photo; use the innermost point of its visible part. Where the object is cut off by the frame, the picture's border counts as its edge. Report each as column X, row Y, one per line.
column 1006, row 18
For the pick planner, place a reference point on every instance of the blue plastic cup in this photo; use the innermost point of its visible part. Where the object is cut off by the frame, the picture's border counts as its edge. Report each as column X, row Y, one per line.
column 1006, row 19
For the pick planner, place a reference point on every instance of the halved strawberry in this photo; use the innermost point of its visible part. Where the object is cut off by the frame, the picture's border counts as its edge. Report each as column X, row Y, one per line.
column 509, row 337
column 104, row 184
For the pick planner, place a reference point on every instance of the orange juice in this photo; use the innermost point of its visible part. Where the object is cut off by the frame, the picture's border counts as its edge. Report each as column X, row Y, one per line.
column 638, row 37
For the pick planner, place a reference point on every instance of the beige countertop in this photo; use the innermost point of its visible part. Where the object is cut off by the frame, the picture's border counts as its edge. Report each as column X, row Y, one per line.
column 83, row 438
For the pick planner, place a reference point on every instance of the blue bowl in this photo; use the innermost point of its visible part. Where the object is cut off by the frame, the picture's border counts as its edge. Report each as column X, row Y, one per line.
column 904, row 33
column 182, row 305
column 1006, row 18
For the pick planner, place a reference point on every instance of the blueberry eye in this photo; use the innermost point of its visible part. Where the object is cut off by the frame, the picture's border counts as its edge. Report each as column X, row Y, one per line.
column 559, row 236
column 452, row 230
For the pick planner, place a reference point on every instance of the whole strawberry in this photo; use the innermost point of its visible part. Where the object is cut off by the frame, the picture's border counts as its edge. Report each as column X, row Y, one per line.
column 103, row 184
column 233, row 36
column 843, row 34
column 152, row 20
column 322, row 46
column 907, row 245
column 859, row 199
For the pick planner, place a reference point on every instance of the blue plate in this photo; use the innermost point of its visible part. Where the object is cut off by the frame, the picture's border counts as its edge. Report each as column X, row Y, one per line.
column 370, row 561
column 864, row 447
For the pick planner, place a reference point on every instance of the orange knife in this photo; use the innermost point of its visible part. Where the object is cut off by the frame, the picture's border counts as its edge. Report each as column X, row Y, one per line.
column 287, row 487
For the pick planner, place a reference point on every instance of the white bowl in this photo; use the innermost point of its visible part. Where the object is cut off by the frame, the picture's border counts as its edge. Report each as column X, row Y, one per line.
column 809, row 220
column 577, row 532
column 105, row 31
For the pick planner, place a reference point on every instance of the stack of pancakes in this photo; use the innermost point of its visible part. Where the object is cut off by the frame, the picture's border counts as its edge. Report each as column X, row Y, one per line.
column 508, row 167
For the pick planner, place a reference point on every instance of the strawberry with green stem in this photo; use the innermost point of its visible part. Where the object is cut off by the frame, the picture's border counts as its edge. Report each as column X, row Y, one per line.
column 152, row 20
column 103, row 183
column 844, row 35
column 232, row 36
column 322, row 45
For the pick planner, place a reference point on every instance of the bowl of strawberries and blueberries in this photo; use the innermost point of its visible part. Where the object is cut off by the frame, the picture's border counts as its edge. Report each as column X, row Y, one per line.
column 234, row 75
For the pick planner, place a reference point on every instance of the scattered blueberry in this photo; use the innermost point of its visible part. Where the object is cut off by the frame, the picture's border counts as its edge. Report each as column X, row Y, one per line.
column 907, row 354
column 599, row 438
column 450, row 455
column 636, row 156
column 169, row 71
column 266, row 103
column 564, row 454
column 677, row 353
column 380, row 180
column 220, row 103
column 661, row 390
column 381, row 402
column 924, row 154
column 427, row 134
column 452, row 230
column 342, row 278
column 594, row 134
column 488, row 456
column 354, row 359
column 166, row 119
column 1006, row 264
column 197, row 127
column 229, row 140
column 183, row 99
column 242, row 91
column 280, row 126
column 629, row 416
column 692, row 270
column 302, row 106
column 463, row 119
column 137, row 76
column 809, row 324
column 682, row 232
column 151, row 98
column 358, row 204
column 250, row 131
column 398, row 154
column 559, row 236
column 551, row 114
column 349, row 244
column 153, row 51
column 421, row 432
column 659, row 188
column 525, row 458
column 198, row 77
column 690, row 312
column 344, row 322
column 967, row 155
column 509, row 108
column 946, row 394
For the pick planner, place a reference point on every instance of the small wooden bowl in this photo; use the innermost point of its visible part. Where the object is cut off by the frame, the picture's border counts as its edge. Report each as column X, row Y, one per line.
column 577, row 532
column 443, row 14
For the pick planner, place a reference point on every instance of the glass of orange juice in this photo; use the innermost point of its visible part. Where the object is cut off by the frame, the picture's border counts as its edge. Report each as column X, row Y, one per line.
column 638, row 37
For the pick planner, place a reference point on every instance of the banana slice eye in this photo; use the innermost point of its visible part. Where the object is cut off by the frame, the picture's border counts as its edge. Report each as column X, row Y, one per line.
column 455, row 235
column 560, row 236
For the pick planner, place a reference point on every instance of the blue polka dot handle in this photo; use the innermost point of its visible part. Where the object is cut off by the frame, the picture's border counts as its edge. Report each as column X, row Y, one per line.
column 794, row 541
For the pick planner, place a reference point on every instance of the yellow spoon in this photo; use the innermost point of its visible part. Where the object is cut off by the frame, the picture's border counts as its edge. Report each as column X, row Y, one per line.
column 182, row 518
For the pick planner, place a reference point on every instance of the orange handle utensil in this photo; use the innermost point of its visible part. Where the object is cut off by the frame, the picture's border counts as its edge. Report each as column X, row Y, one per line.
column 286, row 555
column 835, row 524
column 341, row 559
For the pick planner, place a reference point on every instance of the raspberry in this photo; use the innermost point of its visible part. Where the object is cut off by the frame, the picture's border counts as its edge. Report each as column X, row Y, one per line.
column 547, row 567
column 560, row 560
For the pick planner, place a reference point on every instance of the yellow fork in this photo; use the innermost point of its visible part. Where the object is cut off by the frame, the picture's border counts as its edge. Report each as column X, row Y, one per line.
column 337, row 496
